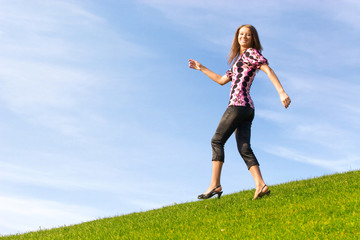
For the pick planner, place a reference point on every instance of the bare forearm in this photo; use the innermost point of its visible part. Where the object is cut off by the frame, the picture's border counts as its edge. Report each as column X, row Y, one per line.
column 213, row 76
column 275, row 81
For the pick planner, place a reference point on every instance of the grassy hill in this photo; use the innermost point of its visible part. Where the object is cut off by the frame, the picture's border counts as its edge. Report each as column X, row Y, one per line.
column 320, row 208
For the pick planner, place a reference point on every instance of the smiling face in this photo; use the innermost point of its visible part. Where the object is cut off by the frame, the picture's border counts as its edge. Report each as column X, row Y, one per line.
column 245, row 38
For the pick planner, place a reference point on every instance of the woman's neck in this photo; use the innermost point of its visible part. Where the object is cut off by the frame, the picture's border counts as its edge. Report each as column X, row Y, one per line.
column 242, row 50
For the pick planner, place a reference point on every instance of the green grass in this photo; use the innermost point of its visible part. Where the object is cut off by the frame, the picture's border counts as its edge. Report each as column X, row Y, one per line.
column 320, row 208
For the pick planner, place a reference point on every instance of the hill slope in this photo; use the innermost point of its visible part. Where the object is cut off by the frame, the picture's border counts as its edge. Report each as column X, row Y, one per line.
column 319, row 208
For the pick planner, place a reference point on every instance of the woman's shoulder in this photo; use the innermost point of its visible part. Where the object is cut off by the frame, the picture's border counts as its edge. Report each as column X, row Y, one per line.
column 252, row 51
column 255, row 57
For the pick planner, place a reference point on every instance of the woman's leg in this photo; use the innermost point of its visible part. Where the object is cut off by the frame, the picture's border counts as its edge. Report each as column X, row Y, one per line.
column 259, row 182
column 242, row 134
column 226, row 127
column 215, row 178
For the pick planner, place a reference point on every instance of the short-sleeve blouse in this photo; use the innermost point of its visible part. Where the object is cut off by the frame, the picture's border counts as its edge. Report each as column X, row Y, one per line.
column 242, row 74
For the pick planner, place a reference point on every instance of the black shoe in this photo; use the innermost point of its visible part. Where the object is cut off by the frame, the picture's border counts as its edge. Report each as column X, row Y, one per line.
column 210, row 194
column 261, row 193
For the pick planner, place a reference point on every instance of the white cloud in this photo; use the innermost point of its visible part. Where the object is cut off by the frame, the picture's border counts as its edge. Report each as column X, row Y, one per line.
column 23, row 214
column 345, row 163
column 45, row 94
column 225, row 16
column 64, row 174
column 275, row 116
column 52, row 56
column 38, row 85
column 332, row 137
column 323, row 93
column 346, row 11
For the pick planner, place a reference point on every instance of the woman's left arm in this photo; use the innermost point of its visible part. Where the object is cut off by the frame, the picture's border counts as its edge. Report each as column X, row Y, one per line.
column 274, row 79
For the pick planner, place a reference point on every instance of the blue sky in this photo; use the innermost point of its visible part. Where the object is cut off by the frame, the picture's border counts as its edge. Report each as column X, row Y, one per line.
column 101, row 116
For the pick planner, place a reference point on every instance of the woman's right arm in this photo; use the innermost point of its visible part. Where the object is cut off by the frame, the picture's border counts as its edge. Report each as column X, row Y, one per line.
column 222, row 80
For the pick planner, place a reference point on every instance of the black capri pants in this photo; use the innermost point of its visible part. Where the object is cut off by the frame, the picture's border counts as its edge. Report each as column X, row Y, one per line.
column 236, row 119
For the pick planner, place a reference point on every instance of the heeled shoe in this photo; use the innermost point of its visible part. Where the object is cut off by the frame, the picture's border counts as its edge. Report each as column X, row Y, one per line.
column 211, row 193
column 261, row 193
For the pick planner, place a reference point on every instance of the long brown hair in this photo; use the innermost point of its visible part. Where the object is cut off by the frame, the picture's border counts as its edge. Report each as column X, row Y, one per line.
column 235, row 48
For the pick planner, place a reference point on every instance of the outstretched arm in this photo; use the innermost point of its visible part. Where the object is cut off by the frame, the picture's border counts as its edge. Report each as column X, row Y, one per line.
column 274, row 79
column 222, row 80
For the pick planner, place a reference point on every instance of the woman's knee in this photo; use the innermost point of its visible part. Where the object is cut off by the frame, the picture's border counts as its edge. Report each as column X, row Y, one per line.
column 245, row 149
column 216, row 142
column 217, row 149
column 247, row 154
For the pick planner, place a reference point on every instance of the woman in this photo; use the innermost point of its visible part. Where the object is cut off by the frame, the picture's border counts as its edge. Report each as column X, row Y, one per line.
column 245, row 59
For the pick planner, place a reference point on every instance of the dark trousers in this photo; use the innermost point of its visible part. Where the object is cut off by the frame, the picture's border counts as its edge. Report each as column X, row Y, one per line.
column 235, row 119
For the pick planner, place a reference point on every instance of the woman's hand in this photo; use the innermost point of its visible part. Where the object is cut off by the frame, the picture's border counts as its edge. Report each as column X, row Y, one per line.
column 194, row 64
column 285, row 99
